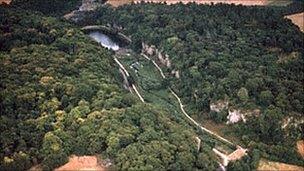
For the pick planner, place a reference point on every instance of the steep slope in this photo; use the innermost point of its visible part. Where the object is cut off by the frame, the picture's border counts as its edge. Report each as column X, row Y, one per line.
column 249, row 57
column 61, row 94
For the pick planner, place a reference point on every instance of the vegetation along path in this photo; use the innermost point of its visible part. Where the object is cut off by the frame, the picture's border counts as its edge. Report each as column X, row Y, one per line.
column 129, row 80
column 182, row 106
column 235, row 155
column 128, row 75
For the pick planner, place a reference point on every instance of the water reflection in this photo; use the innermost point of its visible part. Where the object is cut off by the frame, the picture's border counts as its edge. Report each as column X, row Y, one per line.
column 104, row 40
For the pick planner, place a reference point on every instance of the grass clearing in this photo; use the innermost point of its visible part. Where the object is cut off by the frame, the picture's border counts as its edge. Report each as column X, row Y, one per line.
column 149, row 83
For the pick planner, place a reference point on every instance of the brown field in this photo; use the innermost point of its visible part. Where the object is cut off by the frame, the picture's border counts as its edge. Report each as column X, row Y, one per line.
column 243, row 2
column 297, row 19
column 300, row 147
column 82, row 163
column 237, row 2
column 269, row 165
column 5, row 1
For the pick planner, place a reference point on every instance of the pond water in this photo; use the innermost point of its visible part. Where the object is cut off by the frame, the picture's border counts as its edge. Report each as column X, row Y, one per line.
column 104, row 40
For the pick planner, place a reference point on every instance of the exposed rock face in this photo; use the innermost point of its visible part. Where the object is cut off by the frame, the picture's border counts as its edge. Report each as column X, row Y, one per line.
column 160, row 57
column 219, row 106
column 163, row 59
column 291, row 123
column 175, row 73
column 90, row 5
column 236, row 115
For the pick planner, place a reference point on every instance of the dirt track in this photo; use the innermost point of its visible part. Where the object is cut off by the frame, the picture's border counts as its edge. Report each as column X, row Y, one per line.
column 127, row 74
column 182, row 107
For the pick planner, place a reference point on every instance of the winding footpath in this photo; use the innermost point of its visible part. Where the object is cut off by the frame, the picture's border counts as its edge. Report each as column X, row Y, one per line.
column 182, row 106
column 127, row 74
column 235, row 155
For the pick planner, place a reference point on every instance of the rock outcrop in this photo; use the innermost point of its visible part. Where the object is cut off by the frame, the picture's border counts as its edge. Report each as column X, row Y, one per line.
column 237, row 115
column 292, row 122
column 152, row 51
column 90, row 5
column 175, row 73
column 160, row 57
column 219, row 105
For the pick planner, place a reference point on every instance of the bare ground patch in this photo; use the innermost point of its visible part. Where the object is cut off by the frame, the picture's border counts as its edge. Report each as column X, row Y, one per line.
column 5, row 1
column 82, row 163
column 300, row 147
column 297, row 19
column 269, row 165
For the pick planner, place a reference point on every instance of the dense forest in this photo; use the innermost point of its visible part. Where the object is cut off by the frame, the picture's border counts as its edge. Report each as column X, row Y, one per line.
column 251, row 57
column 61, row 93
column 47, row 7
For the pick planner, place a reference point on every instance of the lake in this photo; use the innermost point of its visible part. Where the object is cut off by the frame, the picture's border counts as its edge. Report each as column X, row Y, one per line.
column 104, row 40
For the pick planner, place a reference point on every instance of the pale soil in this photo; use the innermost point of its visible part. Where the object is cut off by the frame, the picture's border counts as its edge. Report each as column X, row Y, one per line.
column 6, row 1
column 300, row 147
column 269, row 165
column 297, row 19
column 82, row 163
column 117, row 3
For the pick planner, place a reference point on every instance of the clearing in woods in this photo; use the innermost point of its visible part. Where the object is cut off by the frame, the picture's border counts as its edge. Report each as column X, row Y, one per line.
column 82, row 163
column 154, row 90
